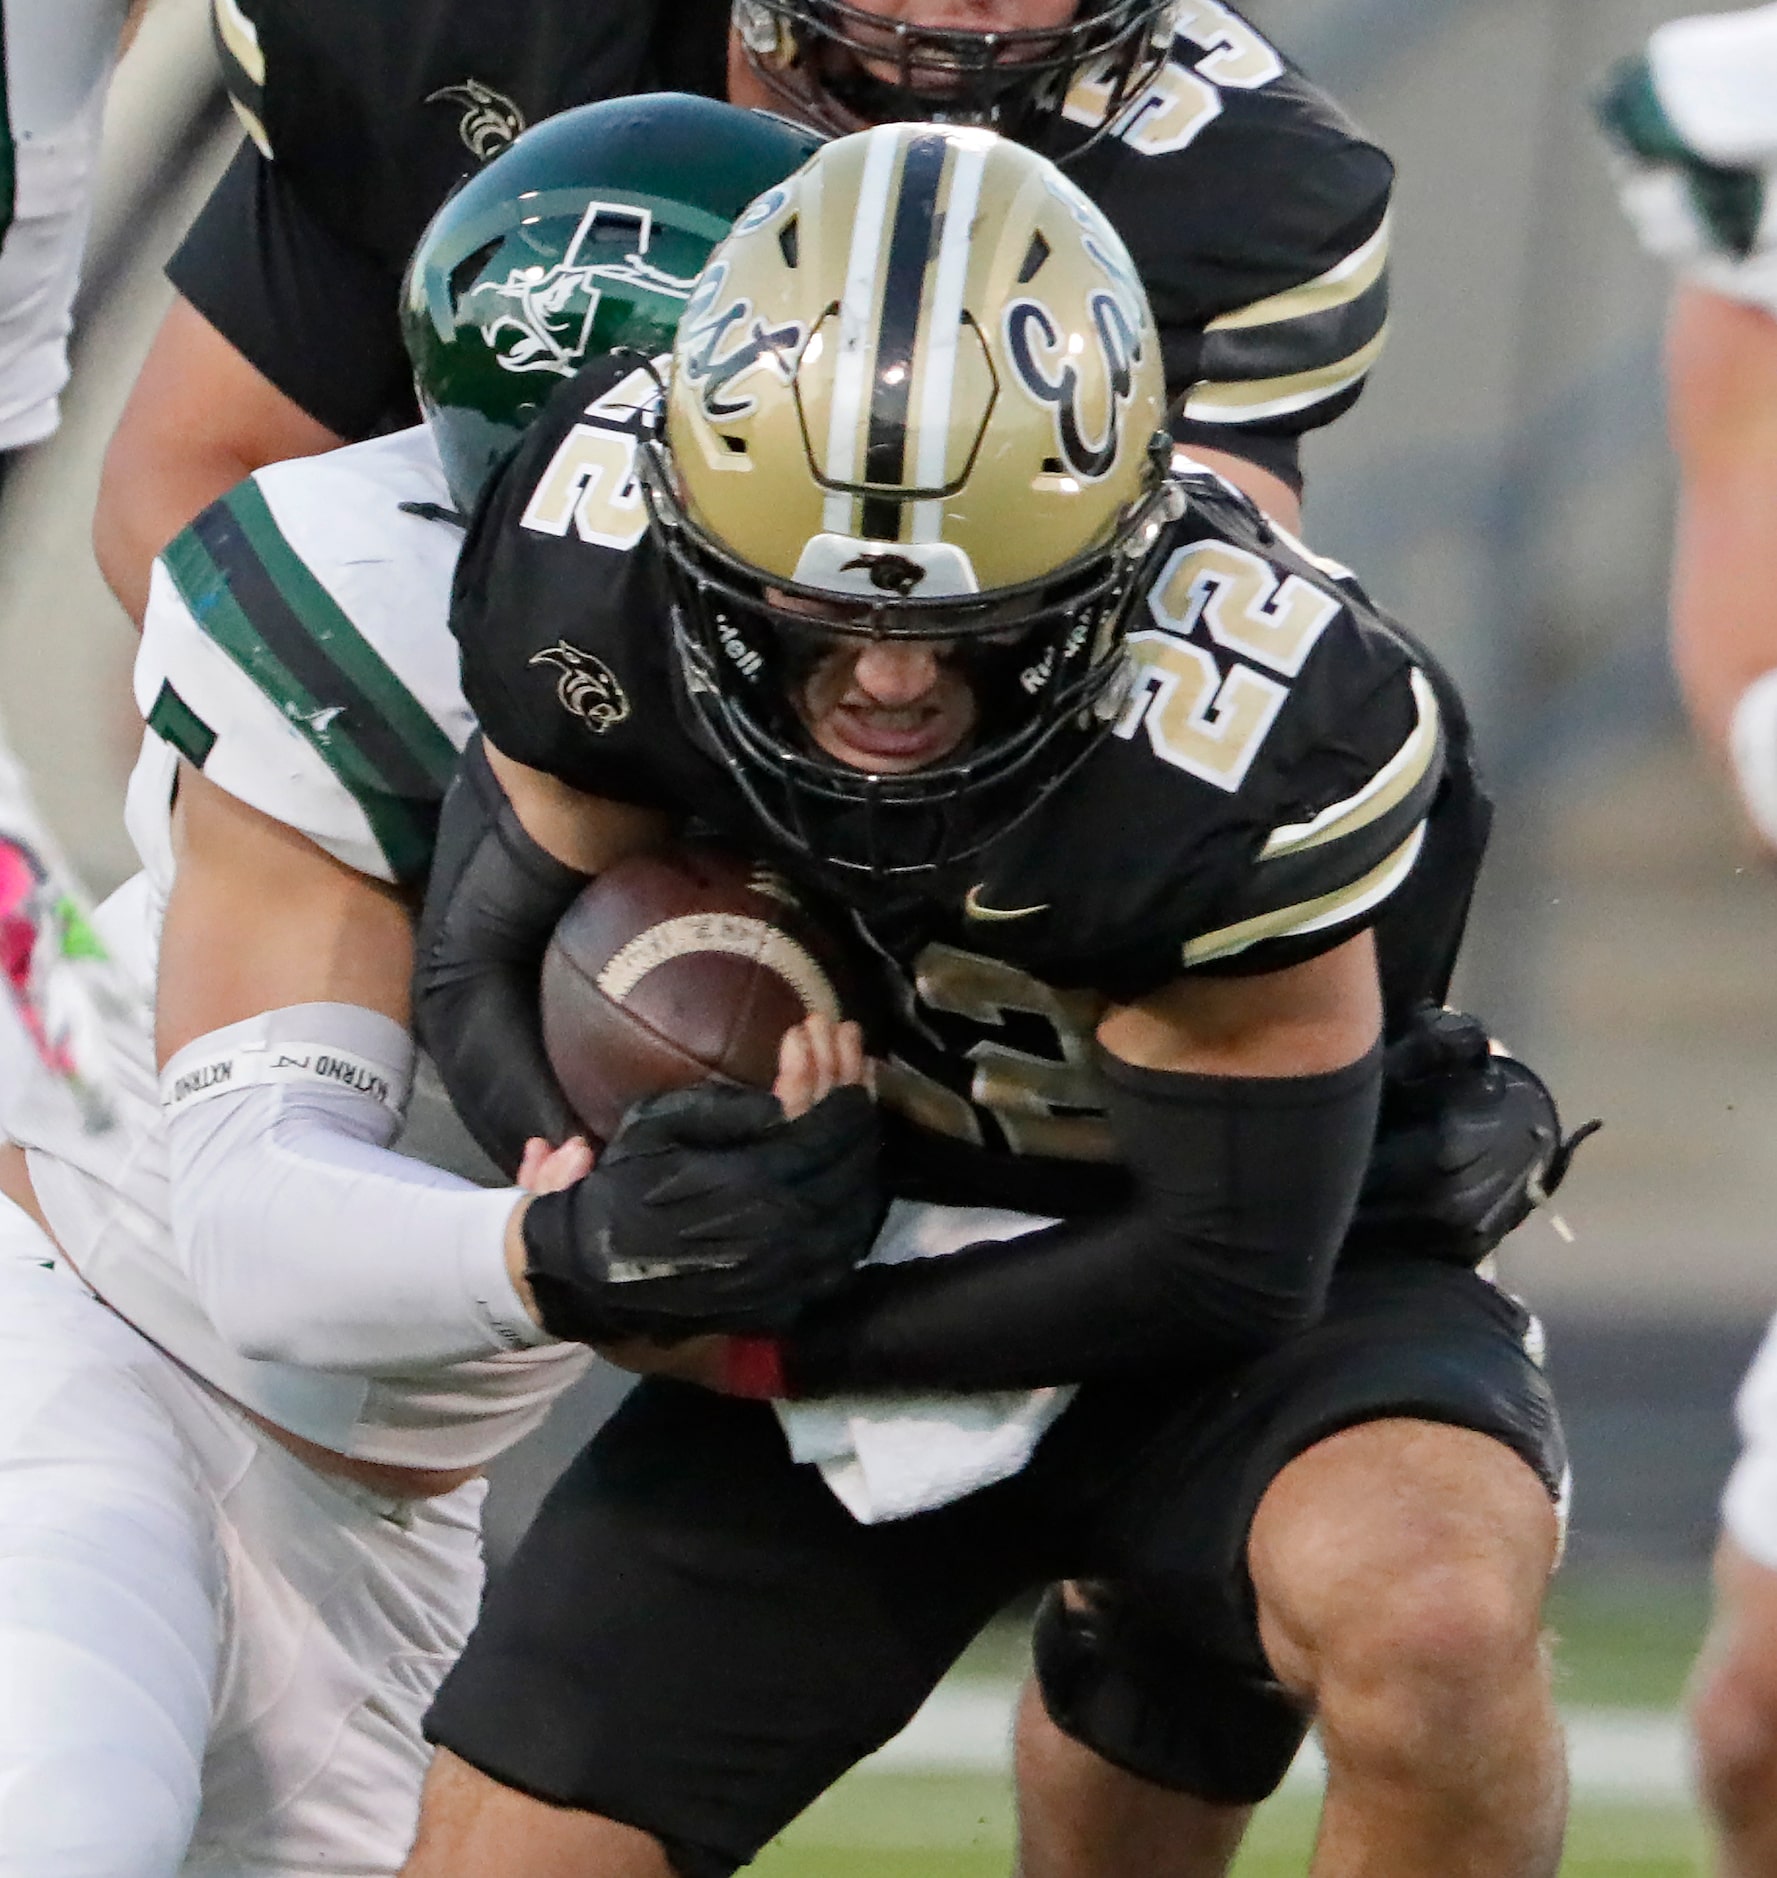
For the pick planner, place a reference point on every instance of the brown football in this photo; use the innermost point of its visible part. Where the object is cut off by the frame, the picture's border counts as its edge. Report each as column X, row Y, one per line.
column 674, row 967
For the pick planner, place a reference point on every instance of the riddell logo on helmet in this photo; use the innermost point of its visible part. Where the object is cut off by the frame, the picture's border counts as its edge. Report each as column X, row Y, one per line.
column 738, row 650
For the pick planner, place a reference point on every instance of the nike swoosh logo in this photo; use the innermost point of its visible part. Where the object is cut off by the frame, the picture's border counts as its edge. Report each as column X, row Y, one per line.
column 973, row 908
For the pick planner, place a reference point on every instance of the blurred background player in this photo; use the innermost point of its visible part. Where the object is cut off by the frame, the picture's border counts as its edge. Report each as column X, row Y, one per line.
column 1256, row 213
column 1693, row 121
column 253, row 1357
column 55, row 59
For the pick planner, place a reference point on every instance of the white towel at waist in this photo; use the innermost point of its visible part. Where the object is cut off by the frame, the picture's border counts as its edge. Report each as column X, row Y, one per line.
column 888, row 1456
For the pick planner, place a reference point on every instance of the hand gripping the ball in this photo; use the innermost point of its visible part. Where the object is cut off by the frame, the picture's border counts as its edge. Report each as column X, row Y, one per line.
column 709, row 1211
column 1468, row 1144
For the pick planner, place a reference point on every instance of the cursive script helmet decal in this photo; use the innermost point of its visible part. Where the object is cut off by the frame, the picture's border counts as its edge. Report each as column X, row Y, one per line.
column 587, row 234
column 916, row 392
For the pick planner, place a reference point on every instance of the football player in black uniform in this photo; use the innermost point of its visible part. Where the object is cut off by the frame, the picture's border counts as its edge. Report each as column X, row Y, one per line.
column 1150, row 832
column 1256, row 213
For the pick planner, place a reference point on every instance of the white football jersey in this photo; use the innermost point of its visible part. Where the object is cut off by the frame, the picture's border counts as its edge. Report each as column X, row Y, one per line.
column 58, row 55
column 1715, row 77
column 296, row 650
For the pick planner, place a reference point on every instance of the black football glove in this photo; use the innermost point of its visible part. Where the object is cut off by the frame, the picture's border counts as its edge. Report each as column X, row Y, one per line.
column 1468, row 1143
column 708, row 1212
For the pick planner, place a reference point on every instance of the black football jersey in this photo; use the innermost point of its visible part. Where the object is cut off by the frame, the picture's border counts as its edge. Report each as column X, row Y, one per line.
column 1286, row 769
column 1255, row 212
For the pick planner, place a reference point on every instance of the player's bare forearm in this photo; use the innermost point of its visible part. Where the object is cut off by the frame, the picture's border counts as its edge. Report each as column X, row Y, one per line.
column 199, row 418
column 1311, row 1018
column 1722, row 377
column 585, row 832
column 261, row 919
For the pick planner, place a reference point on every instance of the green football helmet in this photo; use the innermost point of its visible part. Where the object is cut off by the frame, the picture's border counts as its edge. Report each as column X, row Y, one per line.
column 585, row 235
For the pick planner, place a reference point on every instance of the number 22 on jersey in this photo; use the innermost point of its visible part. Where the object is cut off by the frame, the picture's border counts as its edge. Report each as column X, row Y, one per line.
column 1196, row 718
column 590, row 484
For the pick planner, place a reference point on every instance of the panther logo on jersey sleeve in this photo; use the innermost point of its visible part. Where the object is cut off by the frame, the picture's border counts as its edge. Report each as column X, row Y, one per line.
column 490, row 119
column 588, row 688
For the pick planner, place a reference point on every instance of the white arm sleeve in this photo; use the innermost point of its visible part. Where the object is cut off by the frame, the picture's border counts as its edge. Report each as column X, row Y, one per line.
column 1752, row 744
column 306, row 1240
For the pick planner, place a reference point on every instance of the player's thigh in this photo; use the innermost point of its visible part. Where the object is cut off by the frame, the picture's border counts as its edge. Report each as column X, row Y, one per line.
column 1160, row 1666
column 112, row 1587
column 347, row 1608
column 695, row 1638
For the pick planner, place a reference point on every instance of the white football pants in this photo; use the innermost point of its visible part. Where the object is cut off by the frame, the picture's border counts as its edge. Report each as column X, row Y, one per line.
column 212, row 1659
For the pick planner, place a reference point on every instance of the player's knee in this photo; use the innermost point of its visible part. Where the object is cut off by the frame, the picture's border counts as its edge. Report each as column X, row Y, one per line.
column 1429, row 1656
column 1414, row 1629
column 1733, row 1721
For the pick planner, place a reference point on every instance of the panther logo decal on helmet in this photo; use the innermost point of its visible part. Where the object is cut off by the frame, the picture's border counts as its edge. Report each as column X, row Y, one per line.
column 539, row 319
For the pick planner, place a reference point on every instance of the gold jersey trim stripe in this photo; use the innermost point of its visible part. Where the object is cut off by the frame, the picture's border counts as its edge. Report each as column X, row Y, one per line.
column 1307, row 916
column 1337, row 287
column 1334, row 570
column 1253, row 399
column 254, row 129
column 241, row 37
column 1392, row 784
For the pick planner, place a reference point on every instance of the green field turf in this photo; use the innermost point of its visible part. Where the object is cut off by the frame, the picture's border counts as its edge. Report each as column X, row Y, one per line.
column 1621, row 1641
column 951, row 1826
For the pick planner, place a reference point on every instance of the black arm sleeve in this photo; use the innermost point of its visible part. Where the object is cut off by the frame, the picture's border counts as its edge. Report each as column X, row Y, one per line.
column 1222, row 1254
column 310, row 312
column 492, row 902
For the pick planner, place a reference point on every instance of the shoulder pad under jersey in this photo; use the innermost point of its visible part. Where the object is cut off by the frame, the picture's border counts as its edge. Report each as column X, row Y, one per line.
column 1263, row 793
column 296, row 649
column 561, row 611
column 1257, row 215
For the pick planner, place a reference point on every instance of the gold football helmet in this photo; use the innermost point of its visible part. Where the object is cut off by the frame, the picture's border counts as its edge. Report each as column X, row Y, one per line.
column 917, row 392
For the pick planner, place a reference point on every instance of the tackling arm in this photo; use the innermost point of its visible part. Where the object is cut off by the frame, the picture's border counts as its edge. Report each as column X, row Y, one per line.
column 1722, row 378
column 1215, row 1083
column 282, row 1029
column 199, row 418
